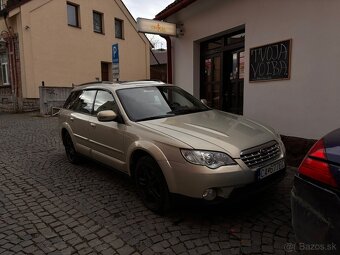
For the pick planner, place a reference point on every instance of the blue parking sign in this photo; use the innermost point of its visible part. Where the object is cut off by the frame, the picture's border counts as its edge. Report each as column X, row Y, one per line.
column 115, row 54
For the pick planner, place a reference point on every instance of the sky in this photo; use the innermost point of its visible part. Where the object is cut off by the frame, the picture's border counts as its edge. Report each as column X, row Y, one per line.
column 148, row 9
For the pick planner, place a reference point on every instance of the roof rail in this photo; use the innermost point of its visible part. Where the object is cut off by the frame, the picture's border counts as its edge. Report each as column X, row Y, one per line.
column 146, row 80
column 93, row 82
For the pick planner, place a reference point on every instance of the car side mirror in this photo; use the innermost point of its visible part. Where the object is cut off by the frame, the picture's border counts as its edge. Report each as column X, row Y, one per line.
column 204, row 101
column 105, row 116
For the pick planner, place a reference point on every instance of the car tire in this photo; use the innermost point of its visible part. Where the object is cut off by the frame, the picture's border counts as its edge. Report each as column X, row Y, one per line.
column 151, row 185
column 71, row 153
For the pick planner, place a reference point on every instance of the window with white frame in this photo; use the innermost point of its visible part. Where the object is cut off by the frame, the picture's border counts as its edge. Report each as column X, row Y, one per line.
column 4, row 69
column 2, row 4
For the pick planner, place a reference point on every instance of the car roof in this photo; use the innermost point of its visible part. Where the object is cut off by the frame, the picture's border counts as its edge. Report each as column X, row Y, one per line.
column 119, row 85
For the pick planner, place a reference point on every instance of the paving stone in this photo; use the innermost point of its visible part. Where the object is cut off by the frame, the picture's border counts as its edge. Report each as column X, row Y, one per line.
column 125, row 250
column 69, row 236
column 178, row 248
column 203, row 250
column 117, row 243
column 102, row 232
column 156, row 239
column 108, row 251
column 109, row 238
column 267, row 249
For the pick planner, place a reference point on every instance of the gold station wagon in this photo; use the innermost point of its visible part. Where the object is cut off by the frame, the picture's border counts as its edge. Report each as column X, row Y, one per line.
column 168, row 141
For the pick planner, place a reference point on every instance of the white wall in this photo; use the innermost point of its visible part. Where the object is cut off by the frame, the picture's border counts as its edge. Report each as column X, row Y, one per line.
column 304, row 106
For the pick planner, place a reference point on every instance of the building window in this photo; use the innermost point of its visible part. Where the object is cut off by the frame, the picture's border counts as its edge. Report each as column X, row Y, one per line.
column 2, row 4
column 119, row 28
column 98, row 22
column 4, row 79
column 73, row 15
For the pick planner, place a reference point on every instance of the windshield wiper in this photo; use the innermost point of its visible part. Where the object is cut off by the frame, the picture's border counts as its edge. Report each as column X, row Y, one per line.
column 185, row 111
column 156, row 117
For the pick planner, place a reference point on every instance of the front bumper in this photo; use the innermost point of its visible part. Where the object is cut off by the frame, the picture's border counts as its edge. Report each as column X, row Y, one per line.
column 315, row 214
column 193, row 180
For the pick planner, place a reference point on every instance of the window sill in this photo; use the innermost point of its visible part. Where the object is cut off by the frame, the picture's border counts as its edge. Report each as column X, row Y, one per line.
column 74, row 26
column 120, row 38
column 97, row 32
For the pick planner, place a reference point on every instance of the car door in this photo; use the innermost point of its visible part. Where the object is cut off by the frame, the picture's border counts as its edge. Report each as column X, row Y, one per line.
column 107, row 138
column 78, row 119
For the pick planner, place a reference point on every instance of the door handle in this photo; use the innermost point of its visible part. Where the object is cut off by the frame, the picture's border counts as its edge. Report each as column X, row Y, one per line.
column 92, row 124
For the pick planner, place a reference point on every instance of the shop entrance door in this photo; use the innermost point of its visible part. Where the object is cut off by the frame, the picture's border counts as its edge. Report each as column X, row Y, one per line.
column 234, row 77
column 222, row 71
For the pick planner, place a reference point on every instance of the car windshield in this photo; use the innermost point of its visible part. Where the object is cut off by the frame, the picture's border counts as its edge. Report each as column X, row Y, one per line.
column 147, row 103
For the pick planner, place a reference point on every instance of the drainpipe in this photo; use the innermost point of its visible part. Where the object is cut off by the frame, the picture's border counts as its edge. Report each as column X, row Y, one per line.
column 169, row 58
column 10, row 38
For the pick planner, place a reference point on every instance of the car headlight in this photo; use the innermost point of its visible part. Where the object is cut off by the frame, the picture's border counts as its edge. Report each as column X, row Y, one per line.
column 211, row 159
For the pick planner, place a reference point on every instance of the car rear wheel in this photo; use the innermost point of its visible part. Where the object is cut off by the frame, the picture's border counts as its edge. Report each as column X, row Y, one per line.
column 151, row 185
column 71, row 153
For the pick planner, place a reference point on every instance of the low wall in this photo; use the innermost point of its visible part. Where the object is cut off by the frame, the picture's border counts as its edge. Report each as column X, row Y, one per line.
column 7, row 104
column 6, row 99
column 52, row 97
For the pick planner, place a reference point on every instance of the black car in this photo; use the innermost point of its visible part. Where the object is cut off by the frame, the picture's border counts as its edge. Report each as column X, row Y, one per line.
column 316, row 197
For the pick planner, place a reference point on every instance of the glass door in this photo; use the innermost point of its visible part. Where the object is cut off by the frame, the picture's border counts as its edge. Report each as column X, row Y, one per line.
column 212, row 81
column 234, row 77
column 222, row 71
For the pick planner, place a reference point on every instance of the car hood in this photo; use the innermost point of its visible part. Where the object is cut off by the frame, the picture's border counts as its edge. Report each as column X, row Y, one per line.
column 214, row 130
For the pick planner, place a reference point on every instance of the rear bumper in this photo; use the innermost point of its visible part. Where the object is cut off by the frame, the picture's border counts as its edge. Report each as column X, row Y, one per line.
column 315, row 214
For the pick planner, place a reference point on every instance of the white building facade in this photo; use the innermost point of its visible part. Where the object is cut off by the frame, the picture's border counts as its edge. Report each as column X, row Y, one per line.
column 214, row 59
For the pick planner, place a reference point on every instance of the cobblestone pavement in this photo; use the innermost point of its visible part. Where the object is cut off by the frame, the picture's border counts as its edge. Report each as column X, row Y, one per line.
column 48, row 206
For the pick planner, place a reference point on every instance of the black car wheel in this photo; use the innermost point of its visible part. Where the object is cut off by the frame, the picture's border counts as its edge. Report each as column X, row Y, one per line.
column 71, row 153
column 151, row 185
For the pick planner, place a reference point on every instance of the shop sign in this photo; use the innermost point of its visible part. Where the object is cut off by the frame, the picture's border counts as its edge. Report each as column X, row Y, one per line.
column 156, row 27
column 270, row 61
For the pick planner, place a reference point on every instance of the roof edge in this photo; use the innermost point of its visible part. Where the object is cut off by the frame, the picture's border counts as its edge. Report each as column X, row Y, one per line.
column 173, row 8
column 11, row 5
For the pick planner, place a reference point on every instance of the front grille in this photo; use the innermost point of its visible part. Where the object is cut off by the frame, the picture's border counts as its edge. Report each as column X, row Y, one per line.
column 260, row 154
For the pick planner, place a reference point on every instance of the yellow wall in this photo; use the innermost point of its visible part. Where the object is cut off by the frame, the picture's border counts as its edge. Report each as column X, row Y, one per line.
column 58, row 54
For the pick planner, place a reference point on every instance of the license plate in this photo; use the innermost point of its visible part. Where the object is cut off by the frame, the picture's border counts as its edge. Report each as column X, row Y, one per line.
column 269, row 170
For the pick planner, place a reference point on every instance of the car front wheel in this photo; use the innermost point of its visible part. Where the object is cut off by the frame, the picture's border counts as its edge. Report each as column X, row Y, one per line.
column 151, row 185
column 71, row 153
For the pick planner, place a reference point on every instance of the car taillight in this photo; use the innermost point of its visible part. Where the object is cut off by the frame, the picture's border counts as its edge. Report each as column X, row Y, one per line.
column 315, row 165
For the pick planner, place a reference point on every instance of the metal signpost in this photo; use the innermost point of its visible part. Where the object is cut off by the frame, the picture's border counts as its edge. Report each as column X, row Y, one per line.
column 115, row 62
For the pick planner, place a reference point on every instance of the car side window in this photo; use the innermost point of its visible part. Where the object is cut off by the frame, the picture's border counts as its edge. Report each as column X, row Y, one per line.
column 84, row 102
column 104, row 101
column 71, row 99
column 176, row 99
